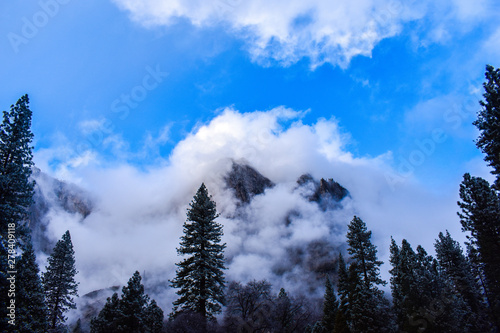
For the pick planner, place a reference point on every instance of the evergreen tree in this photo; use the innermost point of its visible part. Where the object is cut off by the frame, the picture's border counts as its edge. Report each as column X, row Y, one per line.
column 132, row 303
column 153, row 318
column 444, row 311
column 132, row 313
column 200, row 277
column 16, row 189
column 488, row 121
column 31, row 313
column 364, row 253
column 16, row 161
column 405, row 293
column 364, row 304
column 459, row 272
column 109, row 317
column 330, row 307
column 480, row 216
column 59, row 281
column 422, row 297
column 341, row 325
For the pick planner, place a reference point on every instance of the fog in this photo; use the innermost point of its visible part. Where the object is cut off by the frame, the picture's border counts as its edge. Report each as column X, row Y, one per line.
column 138, row 212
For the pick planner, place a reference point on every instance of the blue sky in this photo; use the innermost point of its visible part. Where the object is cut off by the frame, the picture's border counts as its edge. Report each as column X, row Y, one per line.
column 390, row 73
column 140, row 101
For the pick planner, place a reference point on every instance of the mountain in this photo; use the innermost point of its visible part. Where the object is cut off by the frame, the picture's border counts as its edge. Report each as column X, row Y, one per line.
column 52, row 195
column 306, row 262
column 288, row 232
column 326, row 193
column 246, row 182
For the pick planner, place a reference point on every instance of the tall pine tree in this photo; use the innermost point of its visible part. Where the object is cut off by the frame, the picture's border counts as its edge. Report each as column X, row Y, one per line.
column 31, row 308
column 341, row 324
column 200, row 277
column 16, row 161
column 16, row 189
column 364, row 304
column 458, row 271
column 59, row 281
column 480, row 217
column 132, row 303
column 330, row 307
column 488, row 121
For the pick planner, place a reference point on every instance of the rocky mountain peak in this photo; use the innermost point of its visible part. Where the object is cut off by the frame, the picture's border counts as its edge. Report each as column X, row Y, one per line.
column 246, row 182
column 53, row 194
column 326, row 192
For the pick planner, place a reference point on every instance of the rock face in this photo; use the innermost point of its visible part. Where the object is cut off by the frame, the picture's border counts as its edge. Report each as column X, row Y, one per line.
column 327, row 193
column 246, row 182
column 53, row 195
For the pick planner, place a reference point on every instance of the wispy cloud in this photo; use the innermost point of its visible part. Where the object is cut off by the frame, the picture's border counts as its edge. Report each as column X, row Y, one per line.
column 138, row 217
column 321, row 30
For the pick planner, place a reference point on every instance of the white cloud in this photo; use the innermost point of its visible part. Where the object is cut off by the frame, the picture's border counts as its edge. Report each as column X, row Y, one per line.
column 285, row 31
column 322, row 30
column 138, row 217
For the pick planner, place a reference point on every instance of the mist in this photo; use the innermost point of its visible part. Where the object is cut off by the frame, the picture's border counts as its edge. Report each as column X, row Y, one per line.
column 138, row 212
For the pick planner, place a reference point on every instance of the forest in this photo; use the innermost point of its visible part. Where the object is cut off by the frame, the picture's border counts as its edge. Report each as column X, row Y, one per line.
column 457, row 290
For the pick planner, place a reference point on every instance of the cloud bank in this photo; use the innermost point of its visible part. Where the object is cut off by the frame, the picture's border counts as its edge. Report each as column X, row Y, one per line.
column 138, row 215
column 324, row 31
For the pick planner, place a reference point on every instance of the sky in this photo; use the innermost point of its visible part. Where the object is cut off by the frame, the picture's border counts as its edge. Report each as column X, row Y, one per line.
column 140, row 101
column 128, row 80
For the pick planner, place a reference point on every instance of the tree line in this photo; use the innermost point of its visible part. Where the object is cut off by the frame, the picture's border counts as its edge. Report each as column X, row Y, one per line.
column 455, row 291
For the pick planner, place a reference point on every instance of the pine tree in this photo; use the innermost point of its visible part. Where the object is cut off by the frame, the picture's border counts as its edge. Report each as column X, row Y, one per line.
column 422, row 297
column 59, row 281
column 364, row 253
column 366, row 309
column 16, row 161
column 109, row 317
column 132, row 303
column 443, row 310
column 405, row 295
column 341, row 325
column 200, row 276
column 458, row 271
column 330, row 307
column 153, row 318
column 480, row 217
column 132, row 313
column 488, row 121
column 16, row 189
column 31, row 313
